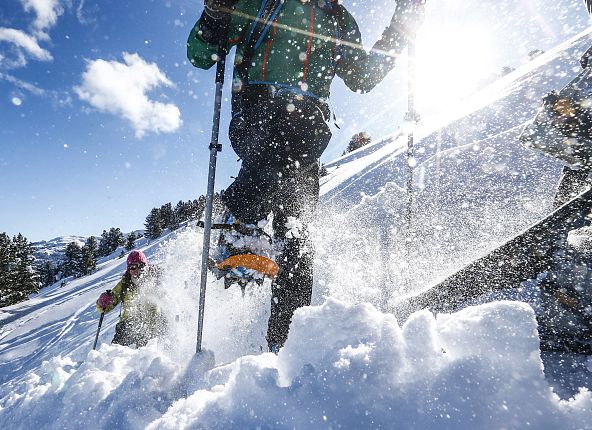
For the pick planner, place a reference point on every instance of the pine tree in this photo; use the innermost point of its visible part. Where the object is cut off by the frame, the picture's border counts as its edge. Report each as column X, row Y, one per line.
column 116, row 238
column 47, row 273
column 104, row 248
column 130, row 242
column 26, row 279
column 110, row 241
column 182, row 211
column 88, row 261
column 167, row 217
column 7, row 263
column 200, row 207
column 18, row 277
column 153, row 224
column 357, row 141
column 72, row 260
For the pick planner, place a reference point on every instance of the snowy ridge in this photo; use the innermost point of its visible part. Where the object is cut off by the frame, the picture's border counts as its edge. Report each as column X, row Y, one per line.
column 348, row 362
column 53, row 250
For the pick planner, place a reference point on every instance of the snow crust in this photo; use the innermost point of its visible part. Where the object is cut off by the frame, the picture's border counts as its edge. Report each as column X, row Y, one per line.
column 344, row 366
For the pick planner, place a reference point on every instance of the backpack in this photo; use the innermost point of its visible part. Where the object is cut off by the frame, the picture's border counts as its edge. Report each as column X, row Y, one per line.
column 260, row 26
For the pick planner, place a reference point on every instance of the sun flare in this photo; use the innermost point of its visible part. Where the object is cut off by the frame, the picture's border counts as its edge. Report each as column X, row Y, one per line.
column 451, row 63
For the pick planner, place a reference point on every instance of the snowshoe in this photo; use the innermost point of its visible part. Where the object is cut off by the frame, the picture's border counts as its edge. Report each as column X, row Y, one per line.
column 244, row 254
column 563, row 126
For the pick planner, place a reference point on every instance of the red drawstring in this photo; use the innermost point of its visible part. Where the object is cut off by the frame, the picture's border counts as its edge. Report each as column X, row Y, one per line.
column 309, row 45
column 268, row 48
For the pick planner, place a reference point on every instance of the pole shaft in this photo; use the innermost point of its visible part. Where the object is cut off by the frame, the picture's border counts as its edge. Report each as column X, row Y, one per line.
column 214, row 149
column 412, row 116
column 98, row 330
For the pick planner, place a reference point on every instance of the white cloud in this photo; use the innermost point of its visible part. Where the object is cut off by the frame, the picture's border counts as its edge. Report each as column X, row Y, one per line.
column 22, row 84
column 26, row 42
column 120, row 89
column 83, row 15
column 47, row 12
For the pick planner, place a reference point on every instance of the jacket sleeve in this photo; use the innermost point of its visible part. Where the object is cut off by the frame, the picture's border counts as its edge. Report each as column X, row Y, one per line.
column 360, row 70
column 117, row 293
column 201, row 53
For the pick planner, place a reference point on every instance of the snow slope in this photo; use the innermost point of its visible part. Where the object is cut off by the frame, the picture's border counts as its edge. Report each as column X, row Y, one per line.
column 348, row 362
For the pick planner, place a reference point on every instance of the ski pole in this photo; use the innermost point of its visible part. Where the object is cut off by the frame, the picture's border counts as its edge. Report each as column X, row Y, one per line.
column 98, row 330
column 215, row 147
column 410, row 116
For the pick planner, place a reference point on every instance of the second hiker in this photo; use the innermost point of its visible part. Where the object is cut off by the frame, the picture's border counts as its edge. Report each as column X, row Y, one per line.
column 140, row 318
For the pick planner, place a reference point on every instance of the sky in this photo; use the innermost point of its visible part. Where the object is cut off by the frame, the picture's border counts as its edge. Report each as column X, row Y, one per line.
column 102, row 117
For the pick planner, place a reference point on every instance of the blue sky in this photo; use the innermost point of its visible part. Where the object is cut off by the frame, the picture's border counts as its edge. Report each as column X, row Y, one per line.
column 102, row 118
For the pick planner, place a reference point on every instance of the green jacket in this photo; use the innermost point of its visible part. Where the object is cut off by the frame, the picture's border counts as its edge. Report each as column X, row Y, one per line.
column 305, row 48
column 135, row 299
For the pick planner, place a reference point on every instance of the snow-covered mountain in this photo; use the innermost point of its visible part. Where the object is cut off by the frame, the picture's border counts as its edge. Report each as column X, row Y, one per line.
column 348, row 362
column 53, row 250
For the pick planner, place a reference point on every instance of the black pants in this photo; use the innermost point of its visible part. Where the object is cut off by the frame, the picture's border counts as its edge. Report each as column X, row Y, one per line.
column 280, row 140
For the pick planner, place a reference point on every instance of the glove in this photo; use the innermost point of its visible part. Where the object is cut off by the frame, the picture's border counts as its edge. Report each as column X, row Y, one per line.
column 215, row 19
column 408, row 17
column 105, row 301
column 585, row 61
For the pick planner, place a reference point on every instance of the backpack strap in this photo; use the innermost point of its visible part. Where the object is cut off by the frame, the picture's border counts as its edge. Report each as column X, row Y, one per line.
column 259, row 27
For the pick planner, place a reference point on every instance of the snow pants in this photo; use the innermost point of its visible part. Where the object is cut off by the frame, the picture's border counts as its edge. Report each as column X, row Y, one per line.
column 279, row 139
column 132, row 331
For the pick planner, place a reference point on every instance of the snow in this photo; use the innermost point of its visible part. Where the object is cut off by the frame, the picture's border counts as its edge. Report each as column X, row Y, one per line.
column 348, row 366
column 581, row 240
column 348, row 361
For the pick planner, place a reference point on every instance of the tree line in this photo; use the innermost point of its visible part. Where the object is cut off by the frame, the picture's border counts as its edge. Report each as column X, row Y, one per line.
column 21, row 274
column 167, row 217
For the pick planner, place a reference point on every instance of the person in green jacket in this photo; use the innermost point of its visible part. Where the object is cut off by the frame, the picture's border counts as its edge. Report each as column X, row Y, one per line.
column 287, row 54
column 140, row 319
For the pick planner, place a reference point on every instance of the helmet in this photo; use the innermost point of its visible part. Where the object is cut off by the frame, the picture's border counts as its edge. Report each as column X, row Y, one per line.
column 136, row 257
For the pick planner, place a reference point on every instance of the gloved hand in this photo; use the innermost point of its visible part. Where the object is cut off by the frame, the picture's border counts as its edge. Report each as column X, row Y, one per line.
column 105, row 301
column 214, row 22
column 586, row 60
column 408, row 17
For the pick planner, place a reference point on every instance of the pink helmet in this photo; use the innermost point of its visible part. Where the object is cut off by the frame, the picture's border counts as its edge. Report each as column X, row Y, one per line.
column 136, row 257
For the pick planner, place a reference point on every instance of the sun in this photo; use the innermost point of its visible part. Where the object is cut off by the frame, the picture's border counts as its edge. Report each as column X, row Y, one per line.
column 451, row 62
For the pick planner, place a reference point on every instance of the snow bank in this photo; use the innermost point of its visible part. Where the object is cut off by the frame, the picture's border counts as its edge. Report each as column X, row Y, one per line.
column 344, row 366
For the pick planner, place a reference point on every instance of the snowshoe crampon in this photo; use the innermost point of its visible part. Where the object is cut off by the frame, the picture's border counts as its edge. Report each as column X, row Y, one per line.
column 563, row 126
column 244, row 254
column 261, row 265
column 244, row 269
